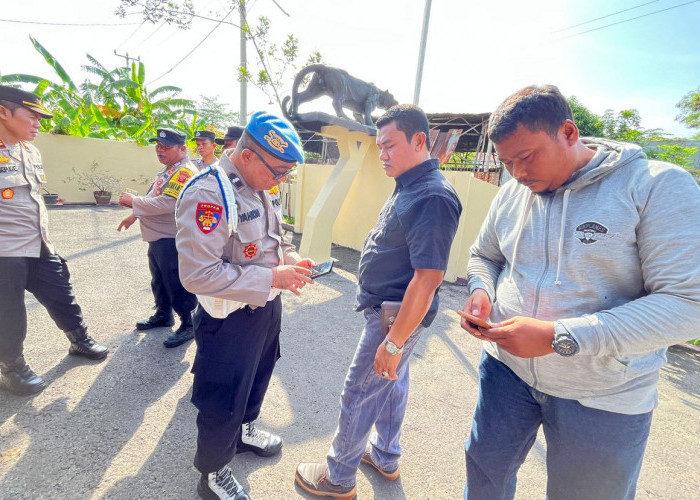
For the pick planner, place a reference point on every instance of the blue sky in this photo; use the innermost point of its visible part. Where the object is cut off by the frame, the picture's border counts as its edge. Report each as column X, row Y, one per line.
column 477, row 52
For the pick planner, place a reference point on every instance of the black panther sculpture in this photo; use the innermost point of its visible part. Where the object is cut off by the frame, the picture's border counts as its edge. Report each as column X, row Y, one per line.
column 346, row 91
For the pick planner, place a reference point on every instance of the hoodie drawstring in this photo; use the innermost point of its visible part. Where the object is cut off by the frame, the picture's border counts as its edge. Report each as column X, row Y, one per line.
column 565, row 205
column 526, row 214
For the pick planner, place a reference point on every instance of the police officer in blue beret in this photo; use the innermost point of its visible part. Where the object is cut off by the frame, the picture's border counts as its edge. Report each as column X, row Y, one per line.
column 205, row 147
column 234, row 256
column 28, row 260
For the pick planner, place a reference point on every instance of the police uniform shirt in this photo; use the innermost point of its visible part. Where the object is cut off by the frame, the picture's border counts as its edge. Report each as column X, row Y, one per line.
column 218, row 262
column 23, row 217
column 199, row 163
column 156, row 210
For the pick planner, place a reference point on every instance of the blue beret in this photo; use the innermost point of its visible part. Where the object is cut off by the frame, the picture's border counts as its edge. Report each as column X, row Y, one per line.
column 205, row 134
column 169, row 137
column 276, row 136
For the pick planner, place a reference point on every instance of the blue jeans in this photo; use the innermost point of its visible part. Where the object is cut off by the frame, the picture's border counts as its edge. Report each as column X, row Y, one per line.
column 591, row 454
column 367, row 400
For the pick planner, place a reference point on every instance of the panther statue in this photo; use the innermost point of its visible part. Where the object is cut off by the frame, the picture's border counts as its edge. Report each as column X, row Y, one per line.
column 346, row 91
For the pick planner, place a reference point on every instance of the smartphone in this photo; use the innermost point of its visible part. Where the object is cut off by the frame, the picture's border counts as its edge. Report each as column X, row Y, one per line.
column 474, row 321
column 321, row 269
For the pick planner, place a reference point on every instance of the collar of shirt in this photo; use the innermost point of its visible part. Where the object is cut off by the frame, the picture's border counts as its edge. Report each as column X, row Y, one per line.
column 415, row 173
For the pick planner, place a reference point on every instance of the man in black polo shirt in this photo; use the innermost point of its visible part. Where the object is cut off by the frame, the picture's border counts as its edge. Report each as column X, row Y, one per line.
column 404, row 259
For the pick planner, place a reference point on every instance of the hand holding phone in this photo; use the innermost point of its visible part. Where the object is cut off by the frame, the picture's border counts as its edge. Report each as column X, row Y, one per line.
column 321, row 269
column 473, row 321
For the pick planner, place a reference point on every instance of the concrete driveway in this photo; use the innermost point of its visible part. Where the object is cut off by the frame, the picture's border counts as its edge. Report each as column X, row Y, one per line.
column 125, row 428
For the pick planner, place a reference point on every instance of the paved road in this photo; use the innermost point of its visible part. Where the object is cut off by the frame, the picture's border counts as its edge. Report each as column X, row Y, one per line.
column 124, row 429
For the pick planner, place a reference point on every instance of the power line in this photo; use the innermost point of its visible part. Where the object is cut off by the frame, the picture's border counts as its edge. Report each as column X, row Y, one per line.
column 66, row 24
column 132, row 34
column 627, row 20
column 197, row 46
column 603, row 17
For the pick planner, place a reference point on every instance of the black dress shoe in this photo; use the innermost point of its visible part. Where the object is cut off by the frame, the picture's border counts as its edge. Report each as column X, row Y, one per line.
column 22, row 381
column 155, row 321
column 181, row 335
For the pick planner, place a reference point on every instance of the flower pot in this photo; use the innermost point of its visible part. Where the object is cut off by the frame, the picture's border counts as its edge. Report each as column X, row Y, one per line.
column 102, row 197
column 50, row 198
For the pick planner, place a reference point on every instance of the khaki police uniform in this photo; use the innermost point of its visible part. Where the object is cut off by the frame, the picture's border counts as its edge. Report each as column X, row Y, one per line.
column 156, row 214
column 200, row 165
column 229, row 239
column 27, row 257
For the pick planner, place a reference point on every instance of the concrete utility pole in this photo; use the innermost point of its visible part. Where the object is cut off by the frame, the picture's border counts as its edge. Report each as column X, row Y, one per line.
column 421, row 51
column 243, row 113
column 128, row 64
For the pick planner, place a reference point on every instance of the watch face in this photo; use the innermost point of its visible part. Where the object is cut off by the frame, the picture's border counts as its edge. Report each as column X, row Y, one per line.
column 391, row 347
column 565, row 345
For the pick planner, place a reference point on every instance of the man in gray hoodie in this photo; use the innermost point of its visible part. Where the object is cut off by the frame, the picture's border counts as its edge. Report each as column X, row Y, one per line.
column 587, row 266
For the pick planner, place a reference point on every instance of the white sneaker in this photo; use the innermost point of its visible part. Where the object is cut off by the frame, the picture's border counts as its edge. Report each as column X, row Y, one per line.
column 262, row 443
column 221, row 485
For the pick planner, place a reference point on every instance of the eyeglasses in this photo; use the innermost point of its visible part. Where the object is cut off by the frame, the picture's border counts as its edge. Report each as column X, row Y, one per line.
column 275, row 174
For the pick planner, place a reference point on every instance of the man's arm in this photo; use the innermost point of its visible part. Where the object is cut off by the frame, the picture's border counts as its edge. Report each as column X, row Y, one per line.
column 416, row 302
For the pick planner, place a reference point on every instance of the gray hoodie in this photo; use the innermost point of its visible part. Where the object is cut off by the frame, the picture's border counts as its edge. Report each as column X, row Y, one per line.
column 612, row 256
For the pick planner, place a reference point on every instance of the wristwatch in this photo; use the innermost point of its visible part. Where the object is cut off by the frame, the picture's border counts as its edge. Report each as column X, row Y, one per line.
column 392, row 348
column 565, row 344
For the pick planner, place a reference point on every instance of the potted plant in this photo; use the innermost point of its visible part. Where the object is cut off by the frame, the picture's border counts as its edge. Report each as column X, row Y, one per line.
column 97, row 179
column 50, row 198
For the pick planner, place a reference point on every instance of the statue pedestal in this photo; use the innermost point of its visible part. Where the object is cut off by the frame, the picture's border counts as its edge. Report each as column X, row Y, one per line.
column 356, row 144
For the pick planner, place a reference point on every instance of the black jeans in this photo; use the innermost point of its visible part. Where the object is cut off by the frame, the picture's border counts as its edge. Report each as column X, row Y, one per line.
column 48, row 279
column 167, row 289
column 232, row 370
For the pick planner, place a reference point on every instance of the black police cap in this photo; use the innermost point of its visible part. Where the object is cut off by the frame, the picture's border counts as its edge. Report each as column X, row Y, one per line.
column 169, row 137
column 25, row 99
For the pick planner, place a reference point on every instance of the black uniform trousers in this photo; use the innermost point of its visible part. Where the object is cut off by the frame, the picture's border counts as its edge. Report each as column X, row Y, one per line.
column 48, row 279
column 232, row 370
column 167, row 288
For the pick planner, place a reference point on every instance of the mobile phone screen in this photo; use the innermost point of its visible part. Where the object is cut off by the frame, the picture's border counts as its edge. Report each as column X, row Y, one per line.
column 322, row 268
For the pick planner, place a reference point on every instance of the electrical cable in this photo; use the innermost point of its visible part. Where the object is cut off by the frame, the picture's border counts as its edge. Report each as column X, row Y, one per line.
column 627, row 20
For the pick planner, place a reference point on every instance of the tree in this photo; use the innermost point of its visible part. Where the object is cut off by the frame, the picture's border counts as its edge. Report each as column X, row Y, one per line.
column 273, row 62
column 690, row 109
column 117, row 107
column 589, row 124
column 673, row 153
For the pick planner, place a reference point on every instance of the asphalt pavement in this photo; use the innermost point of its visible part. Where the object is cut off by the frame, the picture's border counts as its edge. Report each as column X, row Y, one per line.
column 125, row 428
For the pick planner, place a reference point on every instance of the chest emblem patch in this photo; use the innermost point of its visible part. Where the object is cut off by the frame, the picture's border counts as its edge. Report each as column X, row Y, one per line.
column 591, row 232
column 4, row 159
column 250, row 250
column 208, row 216
column 7, row 194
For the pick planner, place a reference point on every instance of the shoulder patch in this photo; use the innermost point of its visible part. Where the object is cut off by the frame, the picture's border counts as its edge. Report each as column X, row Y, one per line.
column 208, row 216
column 176, row 182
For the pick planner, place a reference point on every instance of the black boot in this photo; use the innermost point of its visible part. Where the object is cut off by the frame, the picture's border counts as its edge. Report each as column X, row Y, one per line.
column 158, row 319
column 17, row 378
column 82, row 344
column 184, row 333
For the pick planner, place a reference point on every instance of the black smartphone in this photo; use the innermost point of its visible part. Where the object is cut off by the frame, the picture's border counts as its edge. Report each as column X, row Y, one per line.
column 322, row 268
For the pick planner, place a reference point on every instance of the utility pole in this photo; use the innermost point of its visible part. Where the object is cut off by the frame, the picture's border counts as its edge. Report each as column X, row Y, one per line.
column 243, row 113
column 421, row 52
column 128, row 64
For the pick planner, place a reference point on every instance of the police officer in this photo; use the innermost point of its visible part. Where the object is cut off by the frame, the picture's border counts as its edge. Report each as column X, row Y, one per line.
column 234, row 256
column 28, row 260
column 205, row 147
column 156, row 213
column 229, row 141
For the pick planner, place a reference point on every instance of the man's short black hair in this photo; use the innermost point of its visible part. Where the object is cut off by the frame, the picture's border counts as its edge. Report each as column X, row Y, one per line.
column 12, row 106
column 535, row 107
column 409, row 118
